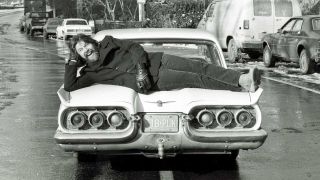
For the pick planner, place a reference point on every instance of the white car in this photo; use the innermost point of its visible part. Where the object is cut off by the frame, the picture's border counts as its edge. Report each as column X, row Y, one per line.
column 73, row 26
column 116, row 120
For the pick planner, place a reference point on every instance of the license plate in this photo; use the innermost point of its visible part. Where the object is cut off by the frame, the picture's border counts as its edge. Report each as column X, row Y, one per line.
column 161, row 123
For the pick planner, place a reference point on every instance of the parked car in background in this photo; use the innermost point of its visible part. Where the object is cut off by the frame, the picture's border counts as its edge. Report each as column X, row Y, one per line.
column 35, row 22
column 22, row 23
column 50, row 28
column 298, row 40
column 117, row 120
column 240, row 25
column 73, row 26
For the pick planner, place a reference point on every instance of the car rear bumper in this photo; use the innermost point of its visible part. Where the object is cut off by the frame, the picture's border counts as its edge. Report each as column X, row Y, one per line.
column 50, row 31
column 187, row 140
column 37, row 28
column 251, row 46
column 76, row 33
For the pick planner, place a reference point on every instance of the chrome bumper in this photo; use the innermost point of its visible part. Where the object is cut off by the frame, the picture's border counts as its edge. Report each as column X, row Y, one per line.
column 37, row 27
column 186, row 141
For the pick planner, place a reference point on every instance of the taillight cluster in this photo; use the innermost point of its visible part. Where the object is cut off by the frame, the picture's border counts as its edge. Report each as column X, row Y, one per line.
column 223, row 118
column 95, row 119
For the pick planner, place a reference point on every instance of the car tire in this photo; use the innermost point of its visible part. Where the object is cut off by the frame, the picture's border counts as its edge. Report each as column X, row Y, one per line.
column 268, row 58
column 45, row 35
column 85, row 157
column 31, row 33
column 28, row 31
column 234, row 154
column 57, row 37
column 233, row 55
column 307, row 65
column 254, row 55
column 21, row 28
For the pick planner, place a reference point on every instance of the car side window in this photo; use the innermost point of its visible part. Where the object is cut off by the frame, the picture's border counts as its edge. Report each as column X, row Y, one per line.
column 298, row 25
column 316, row 24
column 262, row 8
column 289, row 25
column 283, row 8
column 210, row 10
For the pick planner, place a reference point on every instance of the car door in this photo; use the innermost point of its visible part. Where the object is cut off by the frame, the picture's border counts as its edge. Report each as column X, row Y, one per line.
column 262, row 21
column 280, row 42
column 283, row 11
column 293, row 38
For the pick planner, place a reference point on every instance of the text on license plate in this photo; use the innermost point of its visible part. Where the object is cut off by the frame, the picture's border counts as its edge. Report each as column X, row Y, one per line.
column 161, row 123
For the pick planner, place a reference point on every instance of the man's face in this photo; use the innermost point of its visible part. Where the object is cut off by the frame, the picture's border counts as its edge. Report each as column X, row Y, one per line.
column 87, row 51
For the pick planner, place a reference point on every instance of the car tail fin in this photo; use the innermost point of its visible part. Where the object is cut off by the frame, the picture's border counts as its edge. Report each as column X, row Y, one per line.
column 255, row 95
column 64, row 95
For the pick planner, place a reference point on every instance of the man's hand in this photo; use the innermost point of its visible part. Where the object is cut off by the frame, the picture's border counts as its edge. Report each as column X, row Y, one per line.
column 143, row 81
column 72, row 59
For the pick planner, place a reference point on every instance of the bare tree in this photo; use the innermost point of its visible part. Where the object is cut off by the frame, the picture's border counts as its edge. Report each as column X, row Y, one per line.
column 112, row 9
column 109, row 7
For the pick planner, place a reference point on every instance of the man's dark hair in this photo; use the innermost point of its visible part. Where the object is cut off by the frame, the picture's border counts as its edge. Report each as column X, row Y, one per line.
column 81, row 37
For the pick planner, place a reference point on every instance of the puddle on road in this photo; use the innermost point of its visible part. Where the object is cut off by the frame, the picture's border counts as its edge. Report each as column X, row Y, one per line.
column 7, row 76
column 287, row 130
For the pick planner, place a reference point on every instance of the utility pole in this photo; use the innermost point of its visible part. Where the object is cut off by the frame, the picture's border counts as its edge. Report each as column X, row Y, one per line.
column 142, row 13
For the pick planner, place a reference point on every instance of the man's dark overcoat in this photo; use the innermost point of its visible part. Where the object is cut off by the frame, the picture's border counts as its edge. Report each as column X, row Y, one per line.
column 116, row 66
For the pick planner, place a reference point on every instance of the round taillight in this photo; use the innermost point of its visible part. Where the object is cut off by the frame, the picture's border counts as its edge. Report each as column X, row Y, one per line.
column 115, row 118
column 96, row 119
column 205, row 117
column 225, row 118
column 78, row 119
column 244, row 118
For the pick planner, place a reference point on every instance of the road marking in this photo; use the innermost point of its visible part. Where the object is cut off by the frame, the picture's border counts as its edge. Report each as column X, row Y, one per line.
column 166, row 175
column 31, row 48
column 291, row 84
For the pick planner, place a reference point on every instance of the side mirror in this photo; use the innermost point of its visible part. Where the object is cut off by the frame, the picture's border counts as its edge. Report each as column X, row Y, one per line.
column 279, row 31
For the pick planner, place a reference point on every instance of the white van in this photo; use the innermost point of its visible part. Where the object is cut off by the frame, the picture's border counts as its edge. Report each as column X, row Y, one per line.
column 239, row 25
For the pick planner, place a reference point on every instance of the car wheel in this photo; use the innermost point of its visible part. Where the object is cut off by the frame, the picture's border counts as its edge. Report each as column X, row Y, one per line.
column 234, row 154
column 254, row 55
column 21, row 28
column 268, row 59
column 232, row 51
column 28, row 31
column 306, row 64
column 85, row 157
column 45, row 35
column 57, row 35
column 31, row 33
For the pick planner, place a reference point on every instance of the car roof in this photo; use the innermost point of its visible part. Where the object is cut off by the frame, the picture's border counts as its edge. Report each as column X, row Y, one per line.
column 156, row 33
column 307, row 16
column 67, row 19
column 58, row 19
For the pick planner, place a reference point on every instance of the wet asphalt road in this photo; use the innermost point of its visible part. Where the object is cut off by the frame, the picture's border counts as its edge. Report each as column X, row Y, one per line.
column 31, row 71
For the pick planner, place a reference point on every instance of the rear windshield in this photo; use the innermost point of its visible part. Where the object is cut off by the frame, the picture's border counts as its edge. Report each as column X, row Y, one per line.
column 283, row 8
column 316, row 24
column 190, row 50
column 262, row 8
column 54, row 22
column 76, row 22
column 39, row 14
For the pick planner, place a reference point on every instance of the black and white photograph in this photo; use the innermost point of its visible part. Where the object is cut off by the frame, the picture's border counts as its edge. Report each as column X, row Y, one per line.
column 159, row 89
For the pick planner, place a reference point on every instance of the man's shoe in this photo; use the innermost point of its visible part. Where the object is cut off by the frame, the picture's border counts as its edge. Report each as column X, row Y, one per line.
column 251, row 80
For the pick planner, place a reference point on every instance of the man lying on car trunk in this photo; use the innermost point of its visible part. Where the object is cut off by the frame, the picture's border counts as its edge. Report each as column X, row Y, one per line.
column 125, row 63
